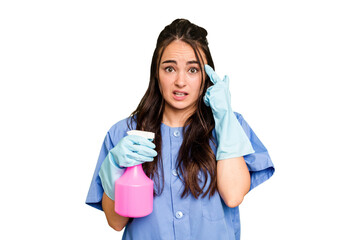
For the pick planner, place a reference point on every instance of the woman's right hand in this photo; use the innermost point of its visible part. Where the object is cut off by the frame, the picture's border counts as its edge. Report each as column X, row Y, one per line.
column 130, row 151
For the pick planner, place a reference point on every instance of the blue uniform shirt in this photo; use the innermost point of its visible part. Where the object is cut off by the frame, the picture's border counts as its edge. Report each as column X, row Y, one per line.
column 179, row 218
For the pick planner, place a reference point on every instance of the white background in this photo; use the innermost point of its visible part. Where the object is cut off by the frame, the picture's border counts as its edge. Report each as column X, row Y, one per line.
column 70, row 69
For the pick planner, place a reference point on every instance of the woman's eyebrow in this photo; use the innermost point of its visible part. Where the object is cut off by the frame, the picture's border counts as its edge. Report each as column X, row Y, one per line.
column 192, row 62
column 174, row 61
column 169, row 61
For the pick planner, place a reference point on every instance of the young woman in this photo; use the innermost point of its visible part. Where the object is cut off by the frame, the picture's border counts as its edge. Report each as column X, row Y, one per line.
column 205, row 158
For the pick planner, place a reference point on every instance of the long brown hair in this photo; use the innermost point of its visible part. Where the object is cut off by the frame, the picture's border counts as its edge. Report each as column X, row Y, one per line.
column 195, row 154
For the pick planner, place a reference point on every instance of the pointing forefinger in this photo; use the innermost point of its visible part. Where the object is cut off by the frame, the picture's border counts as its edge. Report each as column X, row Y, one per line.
column 212, row 74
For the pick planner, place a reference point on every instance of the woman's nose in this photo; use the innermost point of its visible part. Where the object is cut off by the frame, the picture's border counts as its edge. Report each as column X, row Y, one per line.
column 180, row 80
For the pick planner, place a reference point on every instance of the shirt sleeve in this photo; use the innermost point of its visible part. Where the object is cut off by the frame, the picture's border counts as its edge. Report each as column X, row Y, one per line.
column 259, row 163
column 115, row 133
column 95, row 193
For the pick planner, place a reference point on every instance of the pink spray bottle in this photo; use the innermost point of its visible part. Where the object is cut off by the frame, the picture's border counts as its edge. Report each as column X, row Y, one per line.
column 134, row 190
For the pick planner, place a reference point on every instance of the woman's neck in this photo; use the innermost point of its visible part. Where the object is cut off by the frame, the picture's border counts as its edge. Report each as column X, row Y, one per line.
column 175, row 117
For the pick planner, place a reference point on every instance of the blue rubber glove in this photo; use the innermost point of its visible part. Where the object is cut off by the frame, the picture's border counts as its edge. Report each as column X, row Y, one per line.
column 232, row 140
column 130, row 151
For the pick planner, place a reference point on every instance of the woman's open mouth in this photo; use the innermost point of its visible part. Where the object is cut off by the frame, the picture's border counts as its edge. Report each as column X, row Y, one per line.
column 179, row 95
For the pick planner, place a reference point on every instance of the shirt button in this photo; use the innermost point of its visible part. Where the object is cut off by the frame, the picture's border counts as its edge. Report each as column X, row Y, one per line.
column 179, row 214
column 175, row 173
column 176, row 133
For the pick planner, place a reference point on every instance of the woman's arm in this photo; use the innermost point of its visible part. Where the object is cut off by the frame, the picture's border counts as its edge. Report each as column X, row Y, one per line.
column 233, row 180
column 116, row 221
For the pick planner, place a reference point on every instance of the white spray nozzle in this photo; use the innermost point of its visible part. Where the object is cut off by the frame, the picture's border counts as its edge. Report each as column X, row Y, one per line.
column 148, row 135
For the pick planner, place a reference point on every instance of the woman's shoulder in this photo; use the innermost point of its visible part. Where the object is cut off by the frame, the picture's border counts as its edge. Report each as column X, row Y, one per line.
column 238, row 116
column 120, row 128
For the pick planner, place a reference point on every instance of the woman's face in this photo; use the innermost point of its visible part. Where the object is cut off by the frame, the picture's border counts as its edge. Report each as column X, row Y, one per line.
column 180, row 77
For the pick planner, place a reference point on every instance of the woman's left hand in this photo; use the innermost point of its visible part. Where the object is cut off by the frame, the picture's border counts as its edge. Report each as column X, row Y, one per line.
column 232, row 140
column 217, row 96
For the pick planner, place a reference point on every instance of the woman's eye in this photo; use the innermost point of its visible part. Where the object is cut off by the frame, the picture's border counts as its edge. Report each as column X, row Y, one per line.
column 193, row 70
column 169, row 69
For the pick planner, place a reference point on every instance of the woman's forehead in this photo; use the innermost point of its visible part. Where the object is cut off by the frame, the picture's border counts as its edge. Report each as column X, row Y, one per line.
column 179, row 50
column 182, row 51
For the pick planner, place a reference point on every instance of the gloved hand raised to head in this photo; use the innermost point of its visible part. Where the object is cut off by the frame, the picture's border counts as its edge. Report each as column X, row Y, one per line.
column 130, row 151
column 232, row 140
